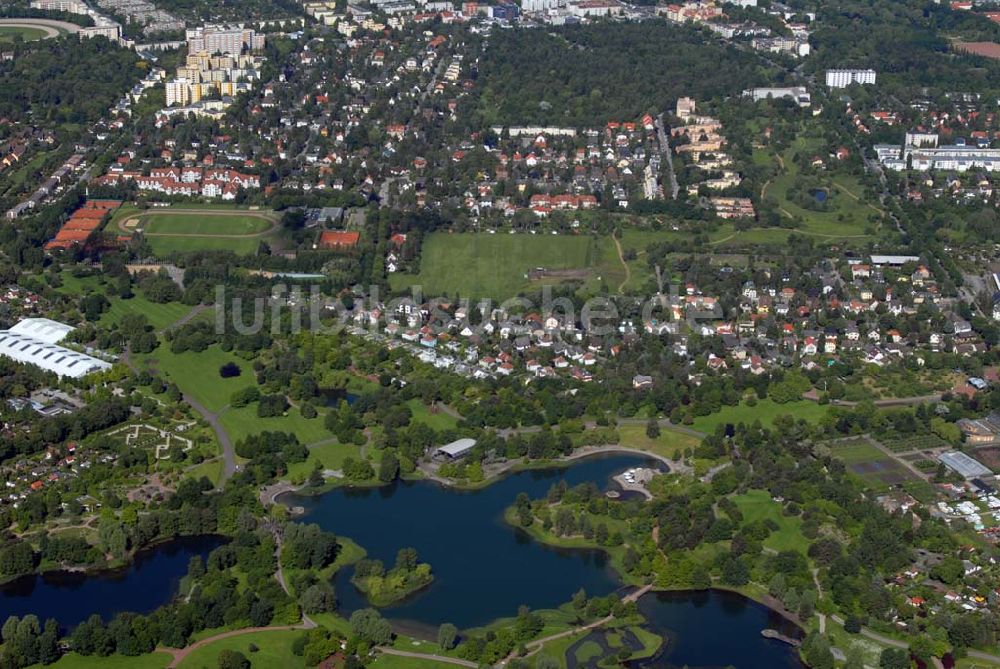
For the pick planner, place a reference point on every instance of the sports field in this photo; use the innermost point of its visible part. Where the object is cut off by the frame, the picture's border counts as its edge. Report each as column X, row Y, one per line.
column 497, row 266
column 184, row 229
column 9, row 33
column 216, row 224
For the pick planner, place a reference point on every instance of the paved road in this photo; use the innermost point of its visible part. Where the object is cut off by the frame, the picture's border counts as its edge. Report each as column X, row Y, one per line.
column 661, row 132
column 228, row 452
column 425, row 656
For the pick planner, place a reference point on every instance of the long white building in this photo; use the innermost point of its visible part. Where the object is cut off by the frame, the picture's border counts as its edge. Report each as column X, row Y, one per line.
column 921, row 152
column 34, row 341
column 844, row 78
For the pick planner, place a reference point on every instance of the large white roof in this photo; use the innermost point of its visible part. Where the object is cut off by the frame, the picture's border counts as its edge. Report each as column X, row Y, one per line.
column 457, row 448
column 44, row 329
column 51, row 357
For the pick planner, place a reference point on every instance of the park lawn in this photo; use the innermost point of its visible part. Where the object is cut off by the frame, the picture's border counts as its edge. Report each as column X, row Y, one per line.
column 212, row 469
column 395, row 662
column 437, row 421
column 8, row 33
column 329, row 454
column 758, row 505
column 158, row 315
column 765, row 411
column 195, row 224
column 975, row 663
column 197, row 374
column 164, row 246
column 495, row 266
column 846, row 217
column 274, row 650
column 556, row 649
column 72, row 285
column 634, row 436
column 147, row 661
column 587, row 651
column 243, row 422
column 843, row 640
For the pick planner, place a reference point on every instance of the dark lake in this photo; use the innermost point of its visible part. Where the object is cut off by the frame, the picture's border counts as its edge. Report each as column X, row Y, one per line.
column 484, row 569
column 714, row 628
column 150, row 581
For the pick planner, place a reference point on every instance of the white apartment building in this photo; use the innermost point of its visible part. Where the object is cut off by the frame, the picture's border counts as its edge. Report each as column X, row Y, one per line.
column 223, row 39
column 844, row 78
column 70, row 6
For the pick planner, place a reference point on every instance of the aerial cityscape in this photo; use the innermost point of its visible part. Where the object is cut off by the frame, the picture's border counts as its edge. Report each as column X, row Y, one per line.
column 527, row 334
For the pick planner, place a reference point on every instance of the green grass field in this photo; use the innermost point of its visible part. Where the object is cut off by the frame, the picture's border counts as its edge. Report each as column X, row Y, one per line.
column 758, row 505
column 765, row 411
column 634, row 436
column 274, row 650
column 195, row 224
column 9, row 33
column 240, row 423
column 847, row 215
column 148, row 661
column 395, row 662
column 197, row 374
column 212, row 469
column 158, row 315
column 484, row 265
column 423, row 414
column 330, row 455
column 164, row 246
column 179, row 229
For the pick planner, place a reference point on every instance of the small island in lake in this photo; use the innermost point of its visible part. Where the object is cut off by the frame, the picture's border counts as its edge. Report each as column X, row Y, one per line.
column 382, row 587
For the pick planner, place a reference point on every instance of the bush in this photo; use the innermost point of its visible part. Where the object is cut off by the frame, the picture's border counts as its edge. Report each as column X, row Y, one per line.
column 271, row 406
column 242, row 398
column 229, row 370
column 233, row 659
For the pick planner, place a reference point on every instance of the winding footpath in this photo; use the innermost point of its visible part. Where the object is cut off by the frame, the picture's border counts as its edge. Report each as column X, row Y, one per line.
column 424, row 656
column 212, row 418
column 536, row 645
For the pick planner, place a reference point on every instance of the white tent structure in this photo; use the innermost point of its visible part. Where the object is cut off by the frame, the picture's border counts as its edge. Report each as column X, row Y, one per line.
column 34, row 341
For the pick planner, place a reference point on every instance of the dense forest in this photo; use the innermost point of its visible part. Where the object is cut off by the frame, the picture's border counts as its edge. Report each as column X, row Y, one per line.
column 230, row 10
column 65, row 80
column 587, row 75
column 908, row 44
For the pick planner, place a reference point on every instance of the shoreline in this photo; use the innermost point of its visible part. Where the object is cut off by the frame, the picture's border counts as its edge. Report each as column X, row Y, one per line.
column 272, row 494
column 419, row 630
column 765, row 600
column 108, row 568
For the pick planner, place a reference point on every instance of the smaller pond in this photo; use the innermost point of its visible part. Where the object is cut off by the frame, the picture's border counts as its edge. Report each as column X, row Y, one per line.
column 709, row 629
column 821, row 195
column 150, row 581
column 331, row 397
